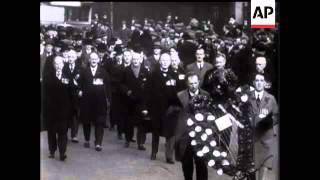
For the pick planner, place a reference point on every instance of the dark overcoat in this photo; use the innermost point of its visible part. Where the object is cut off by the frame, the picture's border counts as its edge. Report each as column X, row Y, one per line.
column 182, row 138
column 56, row 99
column 93, row 103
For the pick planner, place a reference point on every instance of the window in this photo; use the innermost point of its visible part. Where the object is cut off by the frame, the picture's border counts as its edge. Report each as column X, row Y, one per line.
column 51, row 14
column 78, row 14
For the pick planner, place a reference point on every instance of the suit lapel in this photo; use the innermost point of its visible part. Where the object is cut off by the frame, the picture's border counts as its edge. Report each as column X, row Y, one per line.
column 98, row 72
column 57, row 81
column 204, row 69
column 76, row 69
column 196, row 69
column 139, row 74
column 142, row 72
column 131, row 72
column 69, row 70
column 264, row 99
column 89, row 73
column 254, row 102
column 184, row 98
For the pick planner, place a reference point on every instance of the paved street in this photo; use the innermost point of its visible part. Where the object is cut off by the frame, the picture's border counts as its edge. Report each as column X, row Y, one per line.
column 113, row 162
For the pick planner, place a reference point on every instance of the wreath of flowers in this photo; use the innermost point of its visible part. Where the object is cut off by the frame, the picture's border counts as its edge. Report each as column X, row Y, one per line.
column 210, row 142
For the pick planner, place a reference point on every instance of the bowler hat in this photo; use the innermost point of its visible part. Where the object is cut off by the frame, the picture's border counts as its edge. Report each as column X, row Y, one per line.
column 58, row 43
column 118, row 49
column 157, row 45
column 102, row 47
column 65, row 47
column 78, row 48
column 87, row 42
column 137, row 48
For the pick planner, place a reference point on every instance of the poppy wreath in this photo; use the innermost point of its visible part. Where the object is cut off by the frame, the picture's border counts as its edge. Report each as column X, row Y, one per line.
column 211, row 128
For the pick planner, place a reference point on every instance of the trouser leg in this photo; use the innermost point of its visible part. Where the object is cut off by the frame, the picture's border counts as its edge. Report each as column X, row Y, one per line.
column 187, row 164
column 155, row 142
column 86, row 131
column 201, row 168
column 113, row 116
column 141, row 134
column 52, row 139
column 120, row 127
column 98, row 133
column 129, row 129
column 170, row 147
column 62, row 138
column 122, row 118
column 75, row 124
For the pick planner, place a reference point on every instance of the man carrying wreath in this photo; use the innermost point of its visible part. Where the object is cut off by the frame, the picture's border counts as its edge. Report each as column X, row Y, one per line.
column 183, row 149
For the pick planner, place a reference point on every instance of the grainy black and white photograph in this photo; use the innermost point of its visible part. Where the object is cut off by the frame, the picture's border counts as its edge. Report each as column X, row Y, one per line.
column 157, row 90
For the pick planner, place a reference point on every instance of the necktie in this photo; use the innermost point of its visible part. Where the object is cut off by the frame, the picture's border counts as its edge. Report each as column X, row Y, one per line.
column 71, row 68
column 200, row 67
column 258, row 101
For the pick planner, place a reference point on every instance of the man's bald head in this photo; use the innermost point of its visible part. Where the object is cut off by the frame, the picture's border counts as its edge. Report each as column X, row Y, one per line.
column 165, row 60
column 261, row 63
column 94, row 59
column 58, row 63
column 137, row 59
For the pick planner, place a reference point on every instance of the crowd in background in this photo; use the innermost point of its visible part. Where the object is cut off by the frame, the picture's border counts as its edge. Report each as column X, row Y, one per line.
column 238, row 42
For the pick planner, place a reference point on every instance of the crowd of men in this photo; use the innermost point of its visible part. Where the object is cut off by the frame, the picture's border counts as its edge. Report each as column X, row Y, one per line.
column 145, row 75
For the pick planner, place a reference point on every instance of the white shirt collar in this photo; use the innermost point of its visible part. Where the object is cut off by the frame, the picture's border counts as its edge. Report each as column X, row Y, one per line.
column 126, row 65
column 156, row 57
column 72, row 65
column 230, row 48
column 133, row 67
column 59, row 75
column 200, row 64
column 93, row 70
column 162, row 70
column 256, row 93
column 193, row 94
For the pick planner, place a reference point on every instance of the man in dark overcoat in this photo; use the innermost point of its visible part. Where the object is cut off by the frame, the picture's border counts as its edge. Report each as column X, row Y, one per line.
column 162, row 87
column 134, row 86
column 56, row 107
column 95, row 93
column 72, row 69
